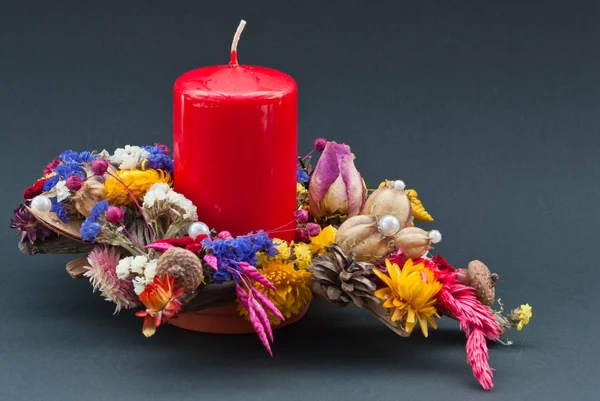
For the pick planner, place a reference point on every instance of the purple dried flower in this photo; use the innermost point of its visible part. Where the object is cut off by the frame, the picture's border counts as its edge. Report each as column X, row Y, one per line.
column 301, row 216
column 74, row 183
column 319, row 144
column 313, row 229
column 114, row 214
column 28, row 226
column 99, row 166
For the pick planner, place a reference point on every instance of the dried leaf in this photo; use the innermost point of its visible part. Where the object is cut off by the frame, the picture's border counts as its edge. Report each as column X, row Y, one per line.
column 76, row 267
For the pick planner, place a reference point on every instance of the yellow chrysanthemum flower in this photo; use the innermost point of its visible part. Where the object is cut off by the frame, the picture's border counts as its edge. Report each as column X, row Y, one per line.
column 303, row 255
column 410, row 294
column 325, row 238
column 284, row 250
column 292, row 289
column 138, row 182
column 301, row 191
column 522, row 314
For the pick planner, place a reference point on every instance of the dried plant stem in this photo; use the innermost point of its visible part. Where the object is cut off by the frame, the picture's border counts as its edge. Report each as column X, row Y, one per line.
column 116, row 177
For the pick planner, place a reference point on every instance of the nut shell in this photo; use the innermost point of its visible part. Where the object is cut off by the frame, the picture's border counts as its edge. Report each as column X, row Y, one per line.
column 184, row 266
column 90, row 193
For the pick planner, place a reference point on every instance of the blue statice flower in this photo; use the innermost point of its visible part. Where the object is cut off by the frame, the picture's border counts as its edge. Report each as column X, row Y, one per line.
column 86, row 157
column 230, row 251
column 98, row 209
column 59, row 209
column 90, row 227
column 67, row 169
column 70, row 156
column 50, row 183
column 301, row 176
column 158, row 159
column 90, row 230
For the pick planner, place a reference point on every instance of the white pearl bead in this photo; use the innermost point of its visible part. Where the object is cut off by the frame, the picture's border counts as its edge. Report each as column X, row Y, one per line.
column 399, row 185
column 435, row 236
column 198, row 228
column 41, row 204
column 388, row 225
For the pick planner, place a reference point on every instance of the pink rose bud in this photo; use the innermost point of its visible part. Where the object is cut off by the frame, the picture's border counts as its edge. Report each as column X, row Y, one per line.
column 73, row 183
column 320, row 144
column 336, row 186
column 313, row 229
column 99, row 166
column 114, row 214
column 301, row 216
column 302, row 235
column 224, row 235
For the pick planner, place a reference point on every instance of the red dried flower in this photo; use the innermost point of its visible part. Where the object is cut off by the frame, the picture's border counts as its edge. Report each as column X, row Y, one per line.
column 35, row 189
column 51, row 166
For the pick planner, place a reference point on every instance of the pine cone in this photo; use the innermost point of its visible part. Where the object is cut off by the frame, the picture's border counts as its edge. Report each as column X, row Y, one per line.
column 184, row 266
column 341, row 279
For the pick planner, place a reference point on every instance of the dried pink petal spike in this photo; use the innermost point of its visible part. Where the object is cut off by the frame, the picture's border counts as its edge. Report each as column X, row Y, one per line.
column 211, row 260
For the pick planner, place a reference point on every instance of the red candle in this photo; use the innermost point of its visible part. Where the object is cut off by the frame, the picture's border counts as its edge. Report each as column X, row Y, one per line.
column 235, row 130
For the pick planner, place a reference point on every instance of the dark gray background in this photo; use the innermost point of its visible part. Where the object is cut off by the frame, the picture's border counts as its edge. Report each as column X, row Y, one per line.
column 488, row 109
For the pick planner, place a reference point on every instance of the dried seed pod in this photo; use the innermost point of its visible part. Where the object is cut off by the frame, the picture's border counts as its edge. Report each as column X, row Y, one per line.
column 414, row 242
column 184, row 266
column 389, row 200
column 360, row 236
column 91, row 192
column 483, row 281
column 478, row 276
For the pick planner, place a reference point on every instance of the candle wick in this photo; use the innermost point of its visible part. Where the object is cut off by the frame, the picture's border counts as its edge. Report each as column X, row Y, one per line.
column 236, row 38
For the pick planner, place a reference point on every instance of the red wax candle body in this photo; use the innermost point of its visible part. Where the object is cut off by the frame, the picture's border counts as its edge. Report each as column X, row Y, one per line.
column 235, row 135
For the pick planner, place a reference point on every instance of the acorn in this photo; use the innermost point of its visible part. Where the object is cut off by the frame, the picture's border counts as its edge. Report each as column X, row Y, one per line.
column 390, row 199
column 478, row 276
column 184, row 266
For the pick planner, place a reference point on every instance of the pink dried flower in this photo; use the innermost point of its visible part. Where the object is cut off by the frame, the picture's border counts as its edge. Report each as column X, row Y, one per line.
column 74, row 183
column 301, row 216
column 99, row 166
column 319, row 144
column 102, row 273
column 114, row 214
column 313, row 229
column 224, row 235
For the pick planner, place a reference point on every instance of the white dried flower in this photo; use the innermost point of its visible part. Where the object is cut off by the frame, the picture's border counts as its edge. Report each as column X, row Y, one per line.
column 62, row 192
column 163, row 192
column 129, row 157
column 139, row 269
